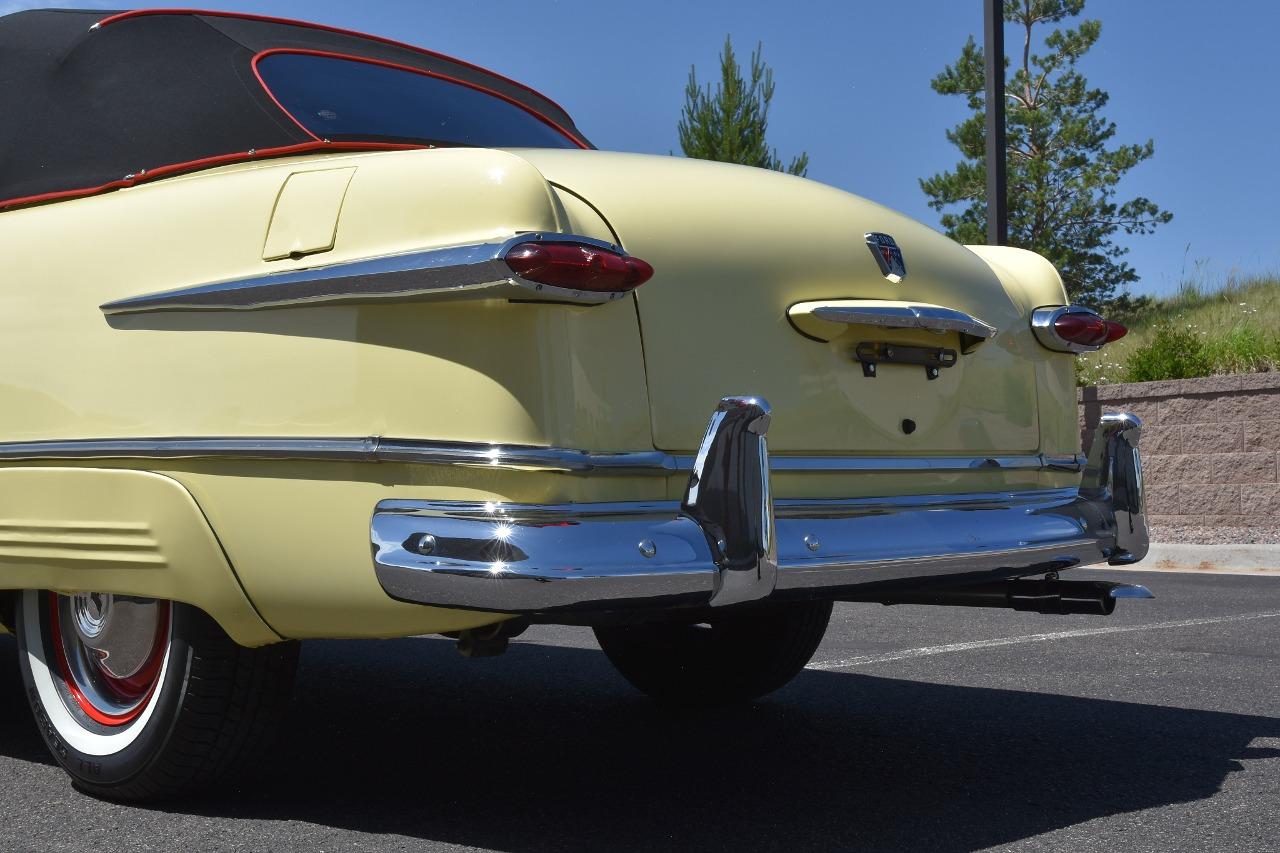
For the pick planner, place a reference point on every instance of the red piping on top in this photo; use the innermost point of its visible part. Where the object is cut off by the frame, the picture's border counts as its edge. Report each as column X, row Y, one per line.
column 208, row 162
column 425, row 73
column 270, row 19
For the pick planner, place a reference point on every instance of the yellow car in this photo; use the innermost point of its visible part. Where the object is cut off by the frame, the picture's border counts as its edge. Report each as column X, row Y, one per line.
column 307, row 333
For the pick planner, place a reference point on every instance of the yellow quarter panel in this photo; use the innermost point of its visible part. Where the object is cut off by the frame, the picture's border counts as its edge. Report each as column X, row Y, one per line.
column 305, row 219
column 487, row 370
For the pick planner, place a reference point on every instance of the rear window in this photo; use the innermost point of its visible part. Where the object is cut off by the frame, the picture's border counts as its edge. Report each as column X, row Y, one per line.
column 348, row 100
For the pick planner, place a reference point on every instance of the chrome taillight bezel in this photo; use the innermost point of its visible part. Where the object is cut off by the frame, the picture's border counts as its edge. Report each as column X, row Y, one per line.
column 1042, row 323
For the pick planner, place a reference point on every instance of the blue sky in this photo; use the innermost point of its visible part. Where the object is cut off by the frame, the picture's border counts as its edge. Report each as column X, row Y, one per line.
column 853, row 90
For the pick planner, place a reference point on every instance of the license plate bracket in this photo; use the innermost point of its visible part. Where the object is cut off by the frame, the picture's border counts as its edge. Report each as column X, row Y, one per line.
column 933, row 359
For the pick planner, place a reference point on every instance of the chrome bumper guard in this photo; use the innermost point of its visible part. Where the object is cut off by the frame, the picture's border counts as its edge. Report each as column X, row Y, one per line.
column 727, row 542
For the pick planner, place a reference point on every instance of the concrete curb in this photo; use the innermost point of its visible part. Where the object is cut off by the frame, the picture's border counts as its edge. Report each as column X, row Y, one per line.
column 1227, row 559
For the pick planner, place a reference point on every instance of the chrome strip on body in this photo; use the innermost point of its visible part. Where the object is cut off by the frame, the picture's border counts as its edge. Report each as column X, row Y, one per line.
column 376, row 449
column 459, row 272
column 370, row 449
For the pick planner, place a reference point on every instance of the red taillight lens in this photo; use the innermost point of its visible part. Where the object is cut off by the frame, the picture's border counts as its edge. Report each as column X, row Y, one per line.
column 1073, row 328
column 577, row 266
column 1088, row 330
column 1115, row 331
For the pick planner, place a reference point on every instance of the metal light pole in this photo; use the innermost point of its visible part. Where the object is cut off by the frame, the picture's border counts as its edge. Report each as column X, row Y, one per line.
column 997, row 196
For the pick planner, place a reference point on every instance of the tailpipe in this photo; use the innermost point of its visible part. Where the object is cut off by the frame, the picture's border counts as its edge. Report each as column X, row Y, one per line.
column 1049, row 595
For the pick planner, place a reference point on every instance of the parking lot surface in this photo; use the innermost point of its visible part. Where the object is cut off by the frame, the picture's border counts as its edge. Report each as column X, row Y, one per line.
column 915, row 728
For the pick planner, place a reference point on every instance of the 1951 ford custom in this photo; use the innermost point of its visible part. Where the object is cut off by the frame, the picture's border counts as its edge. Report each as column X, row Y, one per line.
column 305, row 333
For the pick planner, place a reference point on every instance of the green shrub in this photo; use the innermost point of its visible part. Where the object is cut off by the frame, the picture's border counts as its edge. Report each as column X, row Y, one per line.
column 1173, row 352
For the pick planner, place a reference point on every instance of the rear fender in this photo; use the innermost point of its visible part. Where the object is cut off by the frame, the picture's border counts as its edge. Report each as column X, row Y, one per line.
column 1030, row 279
column 120, row 531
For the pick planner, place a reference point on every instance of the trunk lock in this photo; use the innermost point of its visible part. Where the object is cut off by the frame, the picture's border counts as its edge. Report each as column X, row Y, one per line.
column 932, row 358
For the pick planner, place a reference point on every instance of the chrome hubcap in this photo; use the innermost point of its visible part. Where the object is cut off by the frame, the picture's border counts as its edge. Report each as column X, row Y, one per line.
column 110, row 650
column 119, row 630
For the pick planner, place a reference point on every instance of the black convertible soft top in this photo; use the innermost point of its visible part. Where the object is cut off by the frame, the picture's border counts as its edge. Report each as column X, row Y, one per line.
column 93, row 100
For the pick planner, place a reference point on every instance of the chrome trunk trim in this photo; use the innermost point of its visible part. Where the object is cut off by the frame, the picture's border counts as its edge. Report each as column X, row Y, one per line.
column 931, row 317
column 475, row 271
column 521, row 457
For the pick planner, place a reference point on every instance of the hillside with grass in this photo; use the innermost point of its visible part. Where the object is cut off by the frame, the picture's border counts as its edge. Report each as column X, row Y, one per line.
column 1200, row 331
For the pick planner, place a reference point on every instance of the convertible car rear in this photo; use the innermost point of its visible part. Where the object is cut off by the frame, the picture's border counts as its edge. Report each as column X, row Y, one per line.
column 314, row 334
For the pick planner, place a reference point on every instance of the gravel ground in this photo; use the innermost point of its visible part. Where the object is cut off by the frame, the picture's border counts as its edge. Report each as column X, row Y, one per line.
column 1262, row 533
column 915, row 729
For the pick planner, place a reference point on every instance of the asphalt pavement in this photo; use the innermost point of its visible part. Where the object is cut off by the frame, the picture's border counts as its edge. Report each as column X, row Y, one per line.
column 915, row 728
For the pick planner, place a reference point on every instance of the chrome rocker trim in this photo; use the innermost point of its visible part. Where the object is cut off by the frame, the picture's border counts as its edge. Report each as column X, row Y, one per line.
column 460, row 272
column 507, row 456
column 727, row 542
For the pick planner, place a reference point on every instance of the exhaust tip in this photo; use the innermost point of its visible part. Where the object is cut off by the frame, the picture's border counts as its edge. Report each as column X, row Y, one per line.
column 1130, row 590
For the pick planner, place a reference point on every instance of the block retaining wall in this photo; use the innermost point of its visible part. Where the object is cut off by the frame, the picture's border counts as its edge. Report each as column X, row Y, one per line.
column 1210, row 447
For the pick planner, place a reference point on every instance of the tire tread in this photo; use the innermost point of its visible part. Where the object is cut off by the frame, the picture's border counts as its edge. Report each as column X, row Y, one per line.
column 234, row 700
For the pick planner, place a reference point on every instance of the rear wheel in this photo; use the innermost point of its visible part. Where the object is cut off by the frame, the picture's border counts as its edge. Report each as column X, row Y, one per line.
column 734, row 657
column 139, row 698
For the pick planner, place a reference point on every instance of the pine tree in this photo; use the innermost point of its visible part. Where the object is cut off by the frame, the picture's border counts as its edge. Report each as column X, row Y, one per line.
column 1062, row 176
column 729, row 123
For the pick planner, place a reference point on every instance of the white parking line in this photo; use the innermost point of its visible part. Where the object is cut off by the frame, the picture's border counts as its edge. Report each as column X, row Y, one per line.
column 926, row 651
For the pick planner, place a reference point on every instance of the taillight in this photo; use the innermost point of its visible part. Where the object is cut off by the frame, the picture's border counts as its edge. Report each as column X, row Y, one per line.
column 578, row 266
column 1074, row 329
column 1116, row 331
column 1088, row 330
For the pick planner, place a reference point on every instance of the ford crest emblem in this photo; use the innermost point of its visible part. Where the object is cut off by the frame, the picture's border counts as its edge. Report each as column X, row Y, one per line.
column 888, row 256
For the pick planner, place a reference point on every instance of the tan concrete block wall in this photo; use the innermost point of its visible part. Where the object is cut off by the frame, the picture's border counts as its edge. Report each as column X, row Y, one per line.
column 1211, row 447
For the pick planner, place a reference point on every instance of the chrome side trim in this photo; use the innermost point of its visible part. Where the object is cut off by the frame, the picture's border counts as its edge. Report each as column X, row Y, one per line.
column 833, row 464
column 1042, row 320
column 337, row 449
column 375, row 449
column 935, row 318
column 460, row 272
column 371, row 449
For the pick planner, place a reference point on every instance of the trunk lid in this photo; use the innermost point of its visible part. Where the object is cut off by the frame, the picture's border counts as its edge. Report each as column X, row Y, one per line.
column 736, row 250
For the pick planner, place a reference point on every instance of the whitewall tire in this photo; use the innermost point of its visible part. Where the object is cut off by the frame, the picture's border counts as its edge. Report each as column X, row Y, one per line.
column 143, row 699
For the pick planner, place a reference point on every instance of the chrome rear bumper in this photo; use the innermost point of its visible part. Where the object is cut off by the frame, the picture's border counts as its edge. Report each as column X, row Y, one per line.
column 728, row 542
